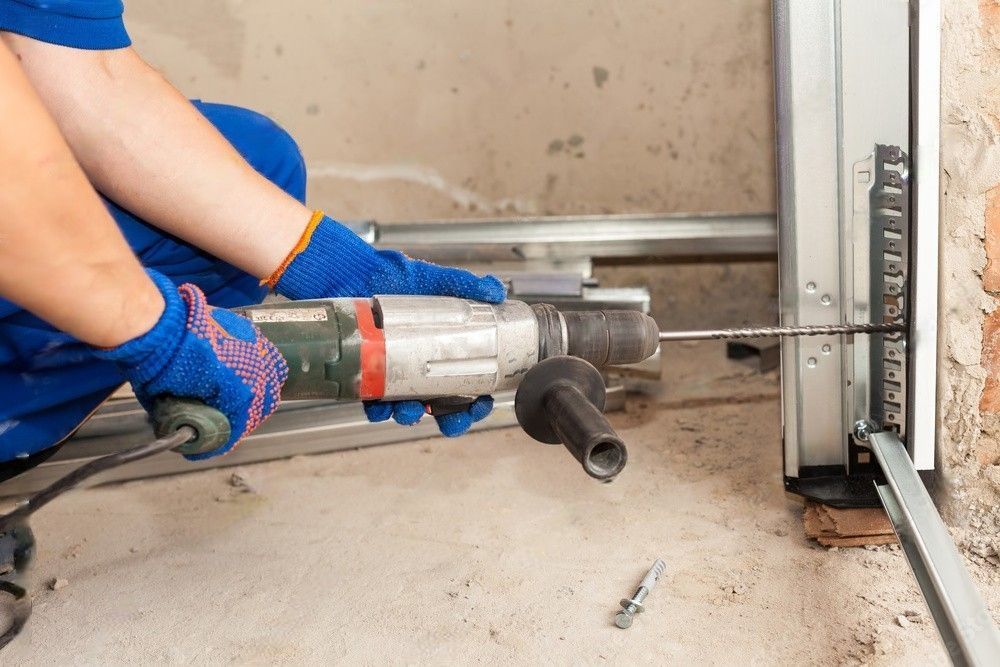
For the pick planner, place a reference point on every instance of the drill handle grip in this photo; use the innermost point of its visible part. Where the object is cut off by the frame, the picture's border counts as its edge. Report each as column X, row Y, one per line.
column 211, row 426
column 561, row 400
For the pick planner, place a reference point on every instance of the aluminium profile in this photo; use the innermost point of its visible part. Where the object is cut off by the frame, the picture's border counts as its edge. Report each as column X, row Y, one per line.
column 848, row 75
column 296, row 428
column 568, row 239
column 962, row 618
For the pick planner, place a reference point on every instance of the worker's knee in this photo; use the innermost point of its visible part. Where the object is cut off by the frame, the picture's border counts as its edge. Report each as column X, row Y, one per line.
column 280, row 159
column 263, row 143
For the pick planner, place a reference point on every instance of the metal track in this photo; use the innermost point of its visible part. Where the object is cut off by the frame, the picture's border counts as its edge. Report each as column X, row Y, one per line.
column 775, row 332
column 561, row 239
column 961, row 615
column 296, row 428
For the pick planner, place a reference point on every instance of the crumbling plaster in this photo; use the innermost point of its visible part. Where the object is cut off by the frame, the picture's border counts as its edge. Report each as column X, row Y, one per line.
column 970, row 322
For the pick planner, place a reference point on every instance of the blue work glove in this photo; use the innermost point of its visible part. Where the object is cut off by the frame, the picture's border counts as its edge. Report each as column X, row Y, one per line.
column 408, row 413
column 210, row 354
column 332, row 261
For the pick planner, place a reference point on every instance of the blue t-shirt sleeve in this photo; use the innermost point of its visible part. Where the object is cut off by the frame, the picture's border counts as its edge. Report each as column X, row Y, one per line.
column 82, row 24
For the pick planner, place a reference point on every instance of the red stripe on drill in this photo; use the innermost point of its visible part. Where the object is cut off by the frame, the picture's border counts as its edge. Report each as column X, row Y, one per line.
column 372, row 352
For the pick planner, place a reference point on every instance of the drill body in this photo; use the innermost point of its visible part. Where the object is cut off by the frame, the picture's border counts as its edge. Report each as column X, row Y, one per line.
column 444, row 352
column 425, row 347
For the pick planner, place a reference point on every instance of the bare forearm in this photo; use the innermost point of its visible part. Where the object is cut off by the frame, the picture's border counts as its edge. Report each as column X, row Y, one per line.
column 61, row 254
column 146, row 147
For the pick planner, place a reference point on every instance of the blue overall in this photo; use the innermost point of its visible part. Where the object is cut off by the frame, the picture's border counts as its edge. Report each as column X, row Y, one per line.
column 49, row 381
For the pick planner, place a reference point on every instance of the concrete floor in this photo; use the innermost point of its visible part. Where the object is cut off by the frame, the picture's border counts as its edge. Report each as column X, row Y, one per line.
column 491, row 548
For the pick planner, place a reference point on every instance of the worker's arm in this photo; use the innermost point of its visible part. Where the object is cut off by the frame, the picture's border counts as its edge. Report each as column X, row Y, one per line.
column 143, row 145
column 63, row 258
column 147, row 148
column 61, row 255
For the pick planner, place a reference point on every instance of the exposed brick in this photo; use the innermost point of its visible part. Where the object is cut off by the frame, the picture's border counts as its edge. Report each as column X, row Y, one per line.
column 991, row 274
column 989, row 30
column 989, row 403
column 989, row 14
column 988, row 447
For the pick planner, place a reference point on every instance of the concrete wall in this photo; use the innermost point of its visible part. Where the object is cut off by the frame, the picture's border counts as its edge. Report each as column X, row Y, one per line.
column 446, row 108
column 463, row 108
column 971, row 265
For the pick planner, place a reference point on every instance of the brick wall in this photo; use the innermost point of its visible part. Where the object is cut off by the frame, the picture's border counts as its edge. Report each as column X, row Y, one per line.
column 970, row 263
column 988, row 453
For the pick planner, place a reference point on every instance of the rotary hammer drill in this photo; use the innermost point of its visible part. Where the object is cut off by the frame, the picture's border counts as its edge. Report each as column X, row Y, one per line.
column 445, row 352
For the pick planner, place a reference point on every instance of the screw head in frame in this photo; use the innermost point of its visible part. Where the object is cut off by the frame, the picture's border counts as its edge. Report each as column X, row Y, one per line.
column 863, row 429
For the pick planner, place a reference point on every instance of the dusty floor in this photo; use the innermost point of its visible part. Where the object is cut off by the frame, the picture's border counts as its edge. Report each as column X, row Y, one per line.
column 491, row 548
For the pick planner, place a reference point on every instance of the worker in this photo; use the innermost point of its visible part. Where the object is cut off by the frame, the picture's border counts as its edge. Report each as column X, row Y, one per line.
column 131, row 218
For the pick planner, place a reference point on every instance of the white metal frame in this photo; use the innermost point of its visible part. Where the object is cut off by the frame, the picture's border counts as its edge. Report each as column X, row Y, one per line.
column 925, row 147
column 843, row 83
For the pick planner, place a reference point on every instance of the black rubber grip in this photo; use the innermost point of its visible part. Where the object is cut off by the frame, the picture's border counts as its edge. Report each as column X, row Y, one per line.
column 585, row 432
column 611, row 337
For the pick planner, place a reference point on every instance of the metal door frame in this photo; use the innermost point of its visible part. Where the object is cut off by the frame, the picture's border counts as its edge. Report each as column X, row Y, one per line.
column 850, row 74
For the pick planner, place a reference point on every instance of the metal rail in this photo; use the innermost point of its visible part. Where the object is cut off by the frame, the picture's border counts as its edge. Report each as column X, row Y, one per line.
column 925, row 154
column 961, row 615
column 567, row 238
column 296, row 428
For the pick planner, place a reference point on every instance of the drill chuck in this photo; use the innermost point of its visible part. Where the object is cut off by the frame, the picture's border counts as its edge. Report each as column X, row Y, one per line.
column 602, row 337
column 611, row 337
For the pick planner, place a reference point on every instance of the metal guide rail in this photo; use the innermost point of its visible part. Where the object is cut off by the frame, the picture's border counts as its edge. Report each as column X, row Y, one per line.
column 958, row 610
column 859, row 233
column 562, row 239
column 296, row 428
column 880, row 385
column 850, row 234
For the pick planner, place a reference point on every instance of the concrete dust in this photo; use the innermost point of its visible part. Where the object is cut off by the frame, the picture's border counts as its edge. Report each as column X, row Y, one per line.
column 490, row 548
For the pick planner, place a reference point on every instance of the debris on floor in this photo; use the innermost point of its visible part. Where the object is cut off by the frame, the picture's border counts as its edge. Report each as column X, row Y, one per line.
column 240, row 480
column 847, row 527
column 58, row 583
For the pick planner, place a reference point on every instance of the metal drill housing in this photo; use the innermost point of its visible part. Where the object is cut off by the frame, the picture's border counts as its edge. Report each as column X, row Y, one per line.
column 444, row 352
column 423, row 347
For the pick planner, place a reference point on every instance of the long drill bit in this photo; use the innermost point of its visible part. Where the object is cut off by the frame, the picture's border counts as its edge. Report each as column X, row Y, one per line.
column 774, row 332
